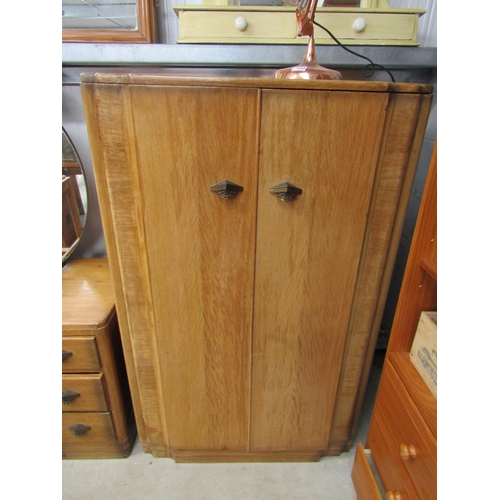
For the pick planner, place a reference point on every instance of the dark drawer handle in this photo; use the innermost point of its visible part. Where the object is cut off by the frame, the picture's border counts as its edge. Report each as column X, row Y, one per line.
column 69, row 396
column 66, row 355
column 285, row 191
column 78, row 430
column 226, row 189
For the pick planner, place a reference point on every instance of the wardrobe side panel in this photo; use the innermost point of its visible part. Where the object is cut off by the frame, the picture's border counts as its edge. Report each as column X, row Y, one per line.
column 112, row 144
column 401, row 143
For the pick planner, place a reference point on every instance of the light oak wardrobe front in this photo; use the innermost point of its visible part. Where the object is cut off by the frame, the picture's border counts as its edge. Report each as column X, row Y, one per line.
column 249, row 321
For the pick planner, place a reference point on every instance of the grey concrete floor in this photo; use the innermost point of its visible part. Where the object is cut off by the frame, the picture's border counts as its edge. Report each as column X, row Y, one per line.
column 141, row 476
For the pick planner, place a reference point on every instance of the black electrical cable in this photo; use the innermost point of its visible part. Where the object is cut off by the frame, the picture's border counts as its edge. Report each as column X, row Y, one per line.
column 372, row 66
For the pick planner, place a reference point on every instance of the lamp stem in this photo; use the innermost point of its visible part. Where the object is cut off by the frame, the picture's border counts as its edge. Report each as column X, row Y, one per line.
column 310, row 56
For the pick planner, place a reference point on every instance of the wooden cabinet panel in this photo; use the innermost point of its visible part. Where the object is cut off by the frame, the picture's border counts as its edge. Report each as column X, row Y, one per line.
column 90, row 390
column 237, row 315
column 306, row 277
column 200, row 252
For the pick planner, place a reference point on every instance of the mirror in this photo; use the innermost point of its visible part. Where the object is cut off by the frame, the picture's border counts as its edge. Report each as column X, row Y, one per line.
column 74, row 198
column 101, row 21
column 99, row 14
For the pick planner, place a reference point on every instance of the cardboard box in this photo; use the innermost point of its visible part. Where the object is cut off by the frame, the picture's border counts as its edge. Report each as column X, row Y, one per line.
column 424, row 350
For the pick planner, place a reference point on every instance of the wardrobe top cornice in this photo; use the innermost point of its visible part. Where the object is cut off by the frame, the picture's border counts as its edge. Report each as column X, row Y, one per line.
column 150, row 78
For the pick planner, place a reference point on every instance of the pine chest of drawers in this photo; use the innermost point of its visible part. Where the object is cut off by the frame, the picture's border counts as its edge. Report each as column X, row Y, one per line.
column 97, row 417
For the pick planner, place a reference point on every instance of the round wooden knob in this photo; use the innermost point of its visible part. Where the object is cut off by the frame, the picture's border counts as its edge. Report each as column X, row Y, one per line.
column 359, row 25
column 241, row 23
column 390, row 495
column 407, row 451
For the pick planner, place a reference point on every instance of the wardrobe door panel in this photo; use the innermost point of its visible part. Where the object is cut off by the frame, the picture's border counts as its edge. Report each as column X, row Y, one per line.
column 200, row 253
column 308, row 252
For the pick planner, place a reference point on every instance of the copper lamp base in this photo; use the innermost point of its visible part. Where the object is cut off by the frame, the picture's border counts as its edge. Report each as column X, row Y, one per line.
column 309, row 69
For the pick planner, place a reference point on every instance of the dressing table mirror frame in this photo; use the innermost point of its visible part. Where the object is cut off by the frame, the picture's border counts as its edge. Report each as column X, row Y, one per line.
column 72, row 204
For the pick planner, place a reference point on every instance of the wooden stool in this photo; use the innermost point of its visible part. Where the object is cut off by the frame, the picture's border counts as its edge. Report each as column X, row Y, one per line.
column 97, row 411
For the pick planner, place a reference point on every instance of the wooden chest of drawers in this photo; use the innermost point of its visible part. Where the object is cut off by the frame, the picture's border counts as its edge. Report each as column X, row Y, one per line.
column 97, row 419
column 400, row 440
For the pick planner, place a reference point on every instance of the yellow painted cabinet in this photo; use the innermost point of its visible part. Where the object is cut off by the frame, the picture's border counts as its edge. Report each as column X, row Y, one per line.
column 248, row 321
column 278, row 25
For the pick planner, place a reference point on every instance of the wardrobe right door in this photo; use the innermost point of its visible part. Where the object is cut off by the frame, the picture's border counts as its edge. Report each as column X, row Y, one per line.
column 326, row 143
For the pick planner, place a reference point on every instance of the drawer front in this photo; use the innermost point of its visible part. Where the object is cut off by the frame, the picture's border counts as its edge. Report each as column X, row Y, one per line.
column 388, row 462
column 221, row 26
column 83, row 393
column 89, row 428
column 362, row 477
column 83, row 354
column 377, row 26
column 410, row 435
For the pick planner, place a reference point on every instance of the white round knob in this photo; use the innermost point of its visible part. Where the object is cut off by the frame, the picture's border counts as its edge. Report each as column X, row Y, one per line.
column 241, row 23
column 359, row 25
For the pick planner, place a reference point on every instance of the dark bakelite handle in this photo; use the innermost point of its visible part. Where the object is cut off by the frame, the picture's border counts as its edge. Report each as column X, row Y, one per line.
column 69, row 396
column 79, row 430
column 285, row 191
column 66, row 355
column 226, row 189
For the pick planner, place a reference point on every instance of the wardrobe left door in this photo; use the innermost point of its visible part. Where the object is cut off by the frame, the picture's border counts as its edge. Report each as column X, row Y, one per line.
column 183, row 254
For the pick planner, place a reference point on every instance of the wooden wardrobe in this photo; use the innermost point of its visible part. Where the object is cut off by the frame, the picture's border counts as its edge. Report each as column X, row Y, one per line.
column 251, row 227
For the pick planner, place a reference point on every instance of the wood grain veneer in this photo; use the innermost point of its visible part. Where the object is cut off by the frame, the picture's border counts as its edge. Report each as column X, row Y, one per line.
column 305, row 280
